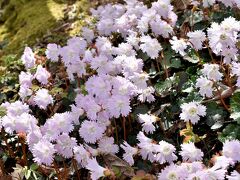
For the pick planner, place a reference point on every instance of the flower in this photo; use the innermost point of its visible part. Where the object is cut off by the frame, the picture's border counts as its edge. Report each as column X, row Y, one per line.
column 178, row 45
column 102, row 64
column 201, row 174
column 165, row 152
column 211, row 71
column 106, row 145
column 20, row 123
column 193, row 167
column 118, row 105
column 172, row 172
column 24, row 92
column 58, row 123
column 192, row 112
column 65, row 145
column 190, row 152
column 160, row 27
column 129, row 152
column 43, row 152
column 197, row 38
column 90, row 131
column 147, row 122
column 28, row 58
column 34, row 135
column 42, row 75
column 25, row 79
column 150, row 46
column 78, row 44
column 96, row 170
column 216, row 173
column 81, row 155
column 146, row 147
column 52, row 52
column 231, row 149
column 223, row 162
column 206, row 86
column 146, row 94
column 207, row 3
column 234, row 176
column 16, row 108
column 42, row 98
column 88, row 34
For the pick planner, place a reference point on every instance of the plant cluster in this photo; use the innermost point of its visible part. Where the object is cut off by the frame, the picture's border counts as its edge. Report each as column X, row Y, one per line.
column 140, row 84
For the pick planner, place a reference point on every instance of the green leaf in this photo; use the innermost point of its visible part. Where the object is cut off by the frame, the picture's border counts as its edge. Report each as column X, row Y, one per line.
column 232, row 131
column 34, row 167
column 143, row 56
column 192, row 56
column 236, row 116
column 215, row 115
column 141, row 109
column 3, row 111
column 235, row 107
column 27, row 174
column 163, row 88
column 235, row 102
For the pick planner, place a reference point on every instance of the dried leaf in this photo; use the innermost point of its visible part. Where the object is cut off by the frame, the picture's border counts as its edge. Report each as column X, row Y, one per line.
column 114, row 161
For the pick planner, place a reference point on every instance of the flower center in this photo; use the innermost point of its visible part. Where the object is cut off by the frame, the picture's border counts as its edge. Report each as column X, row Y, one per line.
column 172, row 176
column 192, row 111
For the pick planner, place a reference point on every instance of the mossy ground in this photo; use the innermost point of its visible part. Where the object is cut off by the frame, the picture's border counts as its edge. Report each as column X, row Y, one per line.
column 24, row 22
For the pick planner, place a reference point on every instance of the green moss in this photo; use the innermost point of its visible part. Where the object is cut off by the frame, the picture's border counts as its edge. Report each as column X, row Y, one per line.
column 27, row 20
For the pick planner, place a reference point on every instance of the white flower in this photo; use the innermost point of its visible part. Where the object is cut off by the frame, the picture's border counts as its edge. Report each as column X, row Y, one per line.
column 231, row 149
column 165, row 152
column 223, row 162
column 81, row 155
column 146, row 147
column 216, row 173
column 207, row 3
column 96, row 170
column 212, row 72
column 42, row 75
column 192, row 111
column 190, row 152
column 234, row 176
column 42, row 98
column 197, row 38
column 146, row 94
column 91, row 131
column 65, row 145
column 43, row 152
column 88, row 34
column 150, row 46
column 52, row 52
column 28, row 58
column 106, row 145
column 205, row 85
column 147, row 122
column 178, row 45
column 129, row 152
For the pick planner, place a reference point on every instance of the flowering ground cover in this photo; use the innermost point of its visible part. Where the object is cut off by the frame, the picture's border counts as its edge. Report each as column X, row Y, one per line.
column 148, row 90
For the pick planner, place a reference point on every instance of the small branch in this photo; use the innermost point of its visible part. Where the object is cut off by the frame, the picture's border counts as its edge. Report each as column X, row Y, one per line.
column 75, row 167
column 124, row 128
column 116, row 131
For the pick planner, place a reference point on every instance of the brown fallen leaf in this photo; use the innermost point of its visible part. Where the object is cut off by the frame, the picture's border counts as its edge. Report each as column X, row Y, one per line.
column 113, row 161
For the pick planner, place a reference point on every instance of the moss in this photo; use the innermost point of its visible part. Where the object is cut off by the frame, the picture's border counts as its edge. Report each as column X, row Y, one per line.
column 27, row 20
column 82, row 17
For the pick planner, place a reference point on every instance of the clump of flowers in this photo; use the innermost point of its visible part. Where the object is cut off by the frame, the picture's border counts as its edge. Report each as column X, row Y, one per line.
column 109, row 103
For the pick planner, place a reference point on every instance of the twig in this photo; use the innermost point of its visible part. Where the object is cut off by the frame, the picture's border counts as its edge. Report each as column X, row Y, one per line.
column 75, row 167
column 124, row 128
column 116, row 131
